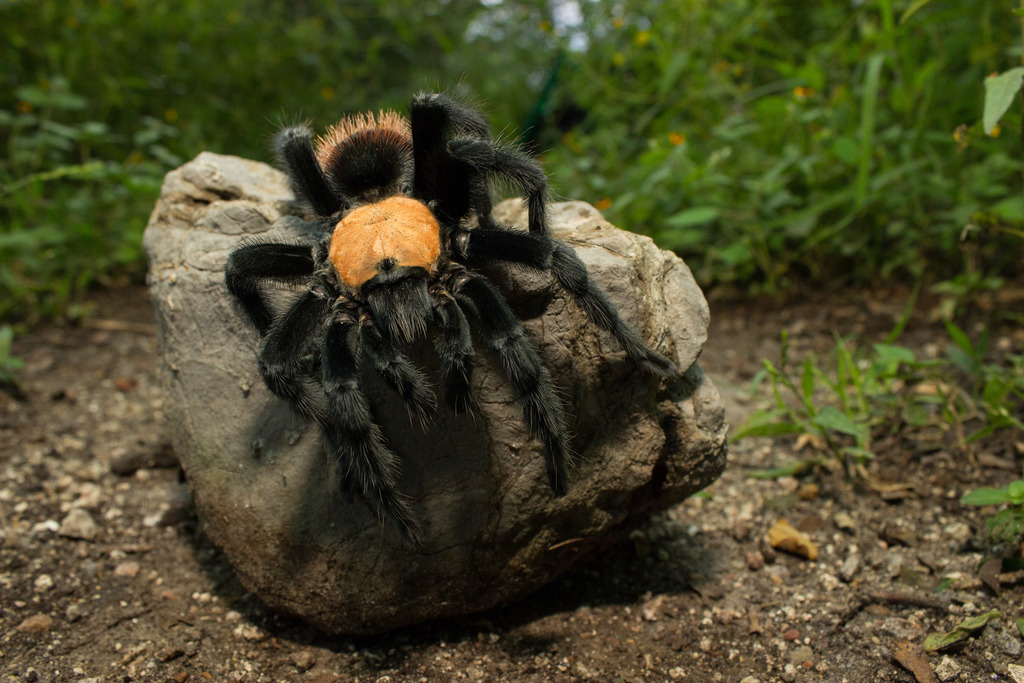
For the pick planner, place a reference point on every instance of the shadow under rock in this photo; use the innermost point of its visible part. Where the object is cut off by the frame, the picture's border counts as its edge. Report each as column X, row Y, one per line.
column 626, row 573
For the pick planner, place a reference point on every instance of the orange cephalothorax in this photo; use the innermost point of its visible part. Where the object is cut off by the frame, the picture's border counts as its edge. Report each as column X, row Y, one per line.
column 398, row 231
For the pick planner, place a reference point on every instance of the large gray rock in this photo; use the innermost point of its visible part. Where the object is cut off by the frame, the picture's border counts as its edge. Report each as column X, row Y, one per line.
column 267, row 496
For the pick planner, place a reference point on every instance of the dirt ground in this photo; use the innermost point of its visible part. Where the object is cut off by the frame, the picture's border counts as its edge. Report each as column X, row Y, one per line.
column 105, row 574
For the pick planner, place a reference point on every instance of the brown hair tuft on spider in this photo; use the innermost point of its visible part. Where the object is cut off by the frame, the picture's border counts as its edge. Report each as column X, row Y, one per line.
column 403, row 224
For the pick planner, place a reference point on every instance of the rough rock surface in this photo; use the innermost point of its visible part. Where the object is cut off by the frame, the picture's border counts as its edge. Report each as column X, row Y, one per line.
column 267, row 496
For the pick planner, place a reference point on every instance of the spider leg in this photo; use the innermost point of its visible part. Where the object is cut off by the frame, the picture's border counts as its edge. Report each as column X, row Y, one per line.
column 354, row 438
column 438, row 114
column 281, row 355
column 249, row 264
column 397, row 371
column 454, row 347
column 572, row 275
column 488, row 158
column 544, row 253
column 542, row 410
column 296, row 153
column 456, row 187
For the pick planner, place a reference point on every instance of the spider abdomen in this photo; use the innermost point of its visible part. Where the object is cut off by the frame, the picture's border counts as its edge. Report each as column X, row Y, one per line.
column 395, row 232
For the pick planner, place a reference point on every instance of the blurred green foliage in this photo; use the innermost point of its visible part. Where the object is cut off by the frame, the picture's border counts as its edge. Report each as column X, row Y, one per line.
column 773, row 141
column 767, row 142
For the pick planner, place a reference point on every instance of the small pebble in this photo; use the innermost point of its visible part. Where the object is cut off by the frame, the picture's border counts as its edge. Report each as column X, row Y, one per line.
column 45, row 528
column 168, row 653
column 37, row 623
column 755, row 560
column 948, row 670
column 849, row 568
column 304, row 660
column 79, row 524
column 250, row 632
column 799, row 656
column 74, row 612
column 43, row 582
column 127, row 569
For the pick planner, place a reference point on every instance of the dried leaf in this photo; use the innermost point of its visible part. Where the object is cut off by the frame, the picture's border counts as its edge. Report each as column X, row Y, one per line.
column 784, row 537
column 989, row 574
column 912, row 658
column 844, row 521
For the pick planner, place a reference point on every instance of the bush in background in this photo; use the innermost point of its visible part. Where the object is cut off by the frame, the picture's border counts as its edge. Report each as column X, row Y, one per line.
column 769, row 143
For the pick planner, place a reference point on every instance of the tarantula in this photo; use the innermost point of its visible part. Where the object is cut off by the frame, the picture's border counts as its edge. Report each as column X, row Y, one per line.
column 403, row 222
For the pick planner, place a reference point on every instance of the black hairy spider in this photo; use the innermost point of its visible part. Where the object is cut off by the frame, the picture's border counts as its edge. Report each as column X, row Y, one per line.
column 402, row 225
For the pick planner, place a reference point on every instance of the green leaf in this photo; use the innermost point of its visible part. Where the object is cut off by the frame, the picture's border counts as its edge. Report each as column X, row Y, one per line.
column 959, row 337
column 807, row 383
column 693, row 216
column 894, row 354
column 769, row 429
column 872, row 85
column 962, row 360
column 790, row 470
column 940, row 641
column 1016, row 492
column 985, row 496
column 672, row 72
column 1020, row 626
column 833, row 419
column 859, row 453
column 910, row 11
column 914, row 414
column 974, row 623
column 1000, row 92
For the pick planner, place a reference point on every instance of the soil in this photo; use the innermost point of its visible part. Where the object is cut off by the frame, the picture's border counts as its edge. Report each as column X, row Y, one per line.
column 105, row 574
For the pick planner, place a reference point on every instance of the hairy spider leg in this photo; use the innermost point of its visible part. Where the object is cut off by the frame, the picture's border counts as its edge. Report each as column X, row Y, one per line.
column 353, row 436
column 572, row 275
column 453, row 186
column 447, row 137
column 541, row 252
column 454, row 347
column 281, row 355
column 444, row 115
column 542, row 409
column 488, row 159
column 397, row 371
column 249, row 265
column 297, row 154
